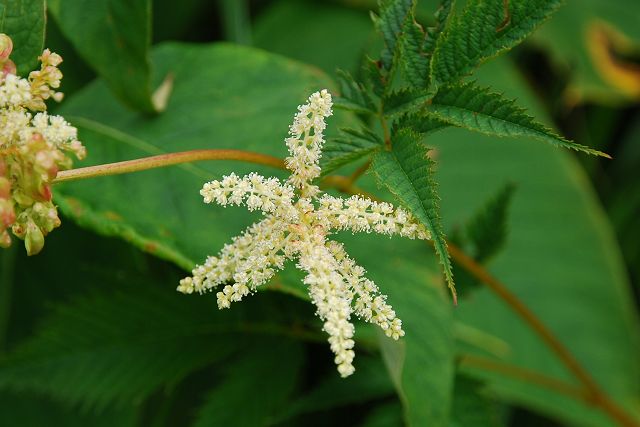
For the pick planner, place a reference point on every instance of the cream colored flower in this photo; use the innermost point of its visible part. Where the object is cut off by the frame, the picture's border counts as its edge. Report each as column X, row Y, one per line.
column 298, row 220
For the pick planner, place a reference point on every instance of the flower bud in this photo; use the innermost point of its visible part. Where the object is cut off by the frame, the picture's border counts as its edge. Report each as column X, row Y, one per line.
column 34, row 239
column 6, row 46
column 9, row 67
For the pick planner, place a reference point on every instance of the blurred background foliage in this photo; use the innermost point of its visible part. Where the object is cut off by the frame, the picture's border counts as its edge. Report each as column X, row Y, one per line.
column 93, row 332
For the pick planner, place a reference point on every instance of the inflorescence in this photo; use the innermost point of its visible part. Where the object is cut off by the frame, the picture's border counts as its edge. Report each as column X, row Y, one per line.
column 298, row 219
column 34, row 146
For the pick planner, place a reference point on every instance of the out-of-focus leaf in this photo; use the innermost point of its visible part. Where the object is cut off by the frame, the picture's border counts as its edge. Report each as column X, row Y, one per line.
column 218, row 101
column 470, row 407
column 593, row 40
column 298, row 29
column 34, row 411
column 24, row 21
column 113, row 36
column 256, row 387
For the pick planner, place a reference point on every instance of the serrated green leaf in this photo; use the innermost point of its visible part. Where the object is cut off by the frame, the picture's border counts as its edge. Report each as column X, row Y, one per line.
column 372, row 76
column 114, row 38
column 415, row 56
column 441, row 16
column 392, row 15
column 96, row 350
column 350, row 146
column 419, row 122
column 479, row 109
column 256, row 387
column 407, row 172
column 487, row 230
column 484, row 30
column 404, row 100
column 354, row 97
column 24, row 21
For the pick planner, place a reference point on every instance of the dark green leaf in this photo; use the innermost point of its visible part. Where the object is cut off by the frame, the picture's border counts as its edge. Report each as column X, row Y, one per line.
column 488, row 229
column 484, row 30
column 404, row 101
column 407, row 172
column 370, row 383
column 113, row 37
column 118, row 347
column 24, row 21
column 478, row 109
column 354, row 97
column 414, row 54
column 350, row 146
column 441, row 17
column 256, row 388
column 392, row 15
column 419, row 122
column 471, row 407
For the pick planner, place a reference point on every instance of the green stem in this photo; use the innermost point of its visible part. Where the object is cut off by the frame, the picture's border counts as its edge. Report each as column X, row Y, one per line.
column 164, row 160
column 236, row 21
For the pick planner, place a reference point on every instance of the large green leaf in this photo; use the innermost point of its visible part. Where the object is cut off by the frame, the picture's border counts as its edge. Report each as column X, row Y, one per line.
column 483, row 30
column 479, row 109
column 113, row 36
column 24, row 21
column 406, row 171
column 218, row 101
column 568, row 272
column 298, row 29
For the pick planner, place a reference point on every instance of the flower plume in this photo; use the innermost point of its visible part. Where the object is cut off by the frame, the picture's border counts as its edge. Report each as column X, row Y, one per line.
column 298, row 220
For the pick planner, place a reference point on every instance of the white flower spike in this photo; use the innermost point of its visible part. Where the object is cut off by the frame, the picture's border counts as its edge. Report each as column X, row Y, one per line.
column 297, row 223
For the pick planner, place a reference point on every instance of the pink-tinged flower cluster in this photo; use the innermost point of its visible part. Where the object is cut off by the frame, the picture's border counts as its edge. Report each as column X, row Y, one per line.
column 34, row 146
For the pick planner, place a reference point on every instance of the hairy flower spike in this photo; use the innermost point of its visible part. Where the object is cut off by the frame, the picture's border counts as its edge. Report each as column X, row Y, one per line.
column 33, row 148
column 297, row 222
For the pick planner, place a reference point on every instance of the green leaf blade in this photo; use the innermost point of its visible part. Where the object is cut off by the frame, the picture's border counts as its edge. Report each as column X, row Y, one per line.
column 477, row 108
column 485, row 29
column 407, row 172
column 350, row 146
column 488, row 229
column 115, row 40
column 25, row 22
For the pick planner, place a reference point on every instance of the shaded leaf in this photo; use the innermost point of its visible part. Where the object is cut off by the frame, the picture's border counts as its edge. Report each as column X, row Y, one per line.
column 392, row 15
column 487, row 229
column 256, row 387
column 353, row 96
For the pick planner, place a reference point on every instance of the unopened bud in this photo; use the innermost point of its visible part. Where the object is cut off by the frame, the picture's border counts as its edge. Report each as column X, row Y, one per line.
column 34, row 239
column 9, row 67
column 6, row 46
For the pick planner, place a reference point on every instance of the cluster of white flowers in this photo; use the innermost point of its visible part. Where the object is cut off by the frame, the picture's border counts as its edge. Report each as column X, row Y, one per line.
column 34, row 146
column 298, row 220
